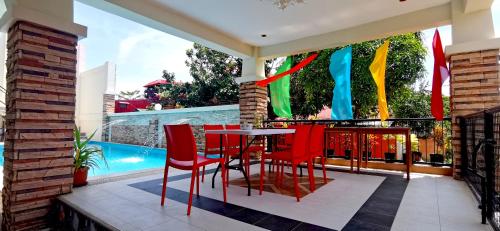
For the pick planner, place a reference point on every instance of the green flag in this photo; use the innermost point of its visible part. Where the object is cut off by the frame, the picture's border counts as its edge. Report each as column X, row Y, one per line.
column 280, row 92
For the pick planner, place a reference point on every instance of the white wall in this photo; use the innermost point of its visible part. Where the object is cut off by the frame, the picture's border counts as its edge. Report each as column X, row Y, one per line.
column 90, row 88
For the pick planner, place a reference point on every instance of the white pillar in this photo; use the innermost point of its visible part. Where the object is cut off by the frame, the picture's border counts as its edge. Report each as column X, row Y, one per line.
column 253, row 70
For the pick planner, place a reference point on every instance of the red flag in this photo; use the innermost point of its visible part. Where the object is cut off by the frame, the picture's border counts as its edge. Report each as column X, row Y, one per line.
column 297, row 67
column 441, row 74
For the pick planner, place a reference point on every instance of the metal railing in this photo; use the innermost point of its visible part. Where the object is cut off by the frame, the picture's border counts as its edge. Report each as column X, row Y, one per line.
column 431, row 139
column 480, row 158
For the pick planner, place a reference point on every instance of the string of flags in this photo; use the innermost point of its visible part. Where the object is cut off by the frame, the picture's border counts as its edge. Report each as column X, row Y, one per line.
column 340, row 70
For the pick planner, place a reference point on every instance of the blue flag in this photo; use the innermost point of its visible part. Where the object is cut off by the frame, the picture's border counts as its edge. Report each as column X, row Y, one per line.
column 340, row 69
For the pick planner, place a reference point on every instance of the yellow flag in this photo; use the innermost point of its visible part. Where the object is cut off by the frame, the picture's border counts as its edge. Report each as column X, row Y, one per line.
column 377, row 68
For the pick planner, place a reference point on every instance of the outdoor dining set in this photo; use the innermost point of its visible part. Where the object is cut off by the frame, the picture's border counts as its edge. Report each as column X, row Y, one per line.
column 291, row 146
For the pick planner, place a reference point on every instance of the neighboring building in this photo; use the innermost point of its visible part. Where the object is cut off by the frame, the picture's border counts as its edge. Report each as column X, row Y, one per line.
column 95, row 95
column 131, row 105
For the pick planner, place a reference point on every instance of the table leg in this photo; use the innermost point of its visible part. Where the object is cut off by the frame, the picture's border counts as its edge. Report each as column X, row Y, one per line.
column 408, row 155
column 218, row 166
column 242, row 169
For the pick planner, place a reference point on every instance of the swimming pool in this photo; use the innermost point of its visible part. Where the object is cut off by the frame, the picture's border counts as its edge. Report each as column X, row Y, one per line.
column 123, row 158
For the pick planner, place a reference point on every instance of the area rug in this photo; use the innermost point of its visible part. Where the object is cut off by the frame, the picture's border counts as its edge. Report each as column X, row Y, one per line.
column 286, row 188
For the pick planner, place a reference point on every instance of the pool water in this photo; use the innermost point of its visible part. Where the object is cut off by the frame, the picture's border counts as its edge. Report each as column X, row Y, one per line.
column 124, row 158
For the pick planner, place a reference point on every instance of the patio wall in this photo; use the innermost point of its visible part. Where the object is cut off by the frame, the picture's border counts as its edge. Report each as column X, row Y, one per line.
column 145, row 128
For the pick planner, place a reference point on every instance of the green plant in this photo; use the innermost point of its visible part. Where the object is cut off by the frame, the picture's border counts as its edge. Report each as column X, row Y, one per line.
column 87, row 156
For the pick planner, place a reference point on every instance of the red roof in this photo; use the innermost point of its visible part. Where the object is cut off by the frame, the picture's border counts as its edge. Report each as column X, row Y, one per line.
column 156, row 82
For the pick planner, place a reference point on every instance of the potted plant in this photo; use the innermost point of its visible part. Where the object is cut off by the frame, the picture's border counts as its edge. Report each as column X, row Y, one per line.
column 347, row 145
column 86, row 156
column 438, row 135
column 390, row 156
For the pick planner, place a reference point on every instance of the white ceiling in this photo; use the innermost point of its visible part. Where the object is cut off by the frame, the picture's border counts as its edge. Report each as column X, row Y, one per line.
column 246, row 20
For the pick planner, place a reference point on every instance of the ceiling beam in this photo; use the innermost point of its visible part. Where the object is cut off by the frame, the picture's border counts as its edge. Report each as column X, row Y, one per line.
column 411, row 22
column 159, row 17
column 471, row 6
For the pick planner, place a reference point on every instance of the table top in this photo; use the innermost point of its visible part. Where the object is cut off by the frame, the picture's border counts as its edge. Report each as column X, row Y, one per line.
column 252, row 132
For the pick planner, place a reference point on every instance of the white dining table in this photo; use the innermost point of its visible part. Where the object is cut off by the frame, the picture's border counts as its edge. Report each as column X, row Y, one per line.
column 246, row 132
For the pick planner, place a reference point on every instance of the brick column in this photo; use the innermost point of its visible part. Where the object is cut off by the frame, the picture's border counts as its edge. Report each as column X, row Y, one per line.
column 41, row 72
column 108, row 107
column 474, row 87
column 253, row 102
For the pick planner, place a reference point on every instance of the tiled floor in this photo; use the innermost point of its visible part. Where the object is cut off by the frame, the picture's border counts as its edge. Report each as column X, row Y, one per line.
column 349, row 202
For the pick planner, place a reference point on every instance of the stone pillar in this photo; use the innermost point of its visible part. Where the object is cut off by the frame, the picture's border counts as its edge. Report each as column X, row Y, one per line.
column 41, row 72
column 474, row 87
column 253, row 99
column 253, row 102
column 108, row 107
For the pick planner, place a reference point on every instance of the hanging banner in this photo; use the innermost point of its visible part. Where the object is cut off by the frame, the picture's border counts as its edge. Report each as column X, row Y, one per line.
column 441, row 74
column 377, row 68
column 340, row 69
column 280, row 91
column 294, row 69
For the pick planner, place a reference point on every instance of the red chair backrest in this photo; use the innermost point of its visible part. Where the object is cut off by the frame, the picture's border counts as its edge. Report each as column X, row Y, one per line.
column 212, row 141
column 317, row 139
column 234, row 140
column 181, row 144
column 301, row 140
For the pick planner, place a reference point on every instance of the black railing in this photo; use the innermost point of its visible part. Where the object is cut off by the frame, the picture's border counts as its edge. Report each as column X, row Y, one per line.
column 431, row 139
column 480, row 160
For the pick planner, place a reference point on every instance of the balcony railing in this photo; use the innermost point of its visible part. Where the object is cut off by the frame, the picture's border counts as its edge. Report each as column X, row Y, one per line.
column 430, row 139
column 480, row 160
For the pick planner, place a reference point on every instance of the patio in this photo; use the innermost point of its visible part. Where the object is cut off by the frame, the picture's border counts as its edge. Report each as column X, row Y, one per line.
column 39, row 46
column 374, row 200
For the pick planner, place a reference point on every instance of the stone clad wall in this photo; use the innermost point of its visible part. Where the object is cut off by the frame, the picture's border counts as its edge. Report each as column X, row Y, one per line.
column 41, row 76
column 474, row 87
column 146, row 128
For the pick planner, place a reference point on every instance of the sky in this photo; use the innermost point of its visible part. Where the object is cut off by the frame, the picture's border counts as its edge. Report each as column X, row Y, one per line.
column 141, row 53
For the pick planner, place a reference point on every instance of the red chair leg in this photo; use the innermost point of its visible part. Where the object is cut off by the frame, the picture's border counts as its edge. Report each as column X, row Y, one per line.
column 198, row 182
column 203, row 175
column 190, row 201
column 310, row 170
column 224, row 179
column 324, row 169
column 296, row 182
column 262, row 170
column 277, row 173
column 164, row 189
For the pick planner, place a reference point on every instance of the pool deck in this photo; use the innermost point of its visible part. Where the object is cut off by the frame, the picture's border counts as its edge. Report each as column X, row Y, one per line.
column 377, row 200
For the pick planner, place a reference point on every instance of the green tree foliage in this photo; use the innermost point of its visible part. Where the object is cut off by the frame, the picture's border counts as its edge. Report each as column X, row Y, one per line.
column 213, row 75
column 311, row 88
column 168, row 76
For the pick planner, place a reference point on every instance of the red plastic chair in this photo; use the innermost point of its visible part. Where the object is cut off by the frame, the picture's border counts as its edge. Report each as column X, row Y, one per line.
column 317, row 147
column 182, row 154
column 296, row 155
column 212, row 144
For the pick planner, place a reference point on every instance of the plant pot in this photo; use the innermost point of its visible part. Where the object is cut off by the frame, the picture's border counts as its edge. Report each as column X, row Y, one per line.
column 390, row 157
column 330, row 153
column 80, row 177
column 347, row 154
column 369, row 155
column 436, row 158
column 417, row 156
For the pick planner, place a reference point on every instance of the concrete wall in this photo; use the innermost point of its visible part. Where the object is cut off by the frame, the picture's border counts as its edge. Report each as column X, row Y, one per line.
column 146, row 128
column 91, row 87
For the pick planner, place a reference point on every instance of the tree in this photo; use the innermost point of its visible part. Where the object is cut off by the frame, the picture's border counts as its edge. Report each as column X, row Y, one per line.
column 312, row 87
column 169, row 76
column 213, row 75
column 127, row 95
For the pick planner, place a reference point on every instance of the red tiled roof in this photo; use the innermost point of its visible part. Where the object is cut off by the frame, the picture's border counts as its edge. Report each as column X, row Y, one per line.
column 156, row 82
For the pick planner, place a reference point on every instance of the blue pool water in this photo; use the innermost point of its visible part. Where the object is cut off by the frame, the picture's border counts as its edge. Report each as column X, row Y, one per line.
column 123, row 158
